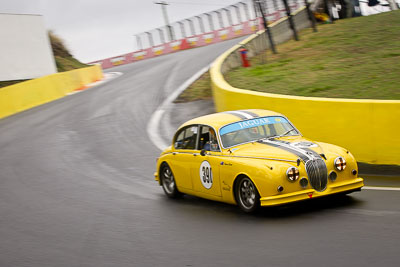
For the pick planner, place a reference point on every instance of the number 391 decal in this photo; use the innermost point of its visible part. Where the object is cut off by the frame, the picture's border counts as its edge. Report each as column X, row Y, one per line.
column 206, row 176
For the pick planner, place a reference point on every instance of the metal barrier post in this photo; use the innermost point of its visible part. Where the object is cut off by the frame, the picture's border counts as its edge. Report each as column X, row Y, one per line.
column 210, row 21
column 311, row 16
column 221, row 21
column 290, row 18
column 160, row 32
column 139, row 42
column 191, row 27
column 228, row 13
column 201, row 24
column 271, row 40
column 239, row 17
column 246, row 10
column 182, row 25
column 328, row 9
column 150, row 37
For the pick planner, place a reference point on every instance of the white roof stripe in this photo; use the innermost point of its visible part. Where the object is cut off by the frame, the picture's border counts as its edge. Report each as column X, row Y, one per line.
column 247, row 116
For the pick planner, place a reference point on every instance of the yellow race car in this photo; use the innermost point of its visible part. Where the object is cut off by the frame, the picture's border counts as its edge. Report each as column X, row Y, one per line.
column 253, row 158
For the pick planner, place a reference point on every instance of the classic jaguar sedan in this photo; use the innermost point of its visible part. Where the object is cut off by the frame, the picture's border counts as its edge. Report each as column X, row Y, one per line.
column 253, row 158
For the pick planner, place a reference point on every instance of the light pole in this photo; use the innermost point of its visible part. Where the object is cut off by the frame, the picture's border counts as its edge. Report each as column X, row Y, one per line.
column 164, row 10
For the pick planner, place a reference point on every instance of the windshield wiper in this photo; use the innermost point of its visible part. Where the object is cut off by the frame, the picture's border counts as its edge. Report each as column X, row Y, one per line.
column 277, row 136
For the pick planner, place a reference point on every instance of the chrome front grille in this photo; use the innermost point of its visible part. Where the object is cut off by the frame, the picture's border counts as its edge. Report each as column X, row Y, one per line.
column 317, row 174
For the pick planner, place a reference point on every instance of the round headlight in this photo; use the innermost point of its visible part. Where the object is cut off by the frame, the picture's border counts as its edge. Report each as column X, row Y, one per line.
column 292, row 174
column 340, row 164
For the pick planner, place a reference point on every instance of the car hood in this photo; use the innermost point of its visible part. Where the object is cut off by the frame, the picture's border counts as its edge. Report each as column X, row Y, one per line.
column 287, row 148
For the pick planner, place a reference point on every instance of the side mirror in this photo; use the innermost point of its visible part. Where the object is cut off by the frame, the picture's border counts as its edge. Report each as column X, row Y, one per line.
column 203, row 152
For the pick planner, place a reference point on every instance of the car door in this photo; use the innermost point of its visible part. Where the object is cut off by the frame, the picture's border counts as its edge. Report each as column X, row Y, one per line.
column 205, row 169
column 182, row 155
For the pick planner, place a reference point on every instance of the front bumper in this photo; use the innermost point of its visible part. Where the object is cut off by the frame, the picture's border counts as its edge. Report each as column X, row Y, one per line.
column 333, row 188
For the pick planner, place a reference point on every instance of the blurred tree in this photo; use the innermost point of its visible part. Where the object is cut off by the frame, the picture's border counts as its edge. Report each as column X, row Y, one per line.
column 57, row 44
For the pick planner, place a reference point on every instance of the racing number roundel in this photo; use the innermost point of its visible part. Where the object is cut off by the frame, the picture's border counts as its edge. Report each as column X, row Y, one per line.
column 206, row 176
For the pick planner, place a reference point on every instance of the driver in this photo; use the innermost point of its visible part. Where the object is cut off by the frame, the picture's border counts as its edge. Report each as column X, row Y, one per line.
column 212, row 144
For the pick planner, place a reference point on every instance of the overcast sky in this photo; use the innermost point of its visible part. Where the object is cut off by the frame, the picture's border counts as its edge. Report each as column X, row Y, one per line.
column 96, row 29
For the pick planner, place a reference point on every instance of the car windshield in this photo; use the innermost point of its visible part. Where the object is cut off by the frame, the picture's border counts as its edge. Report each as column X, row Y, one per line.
column 255, row 129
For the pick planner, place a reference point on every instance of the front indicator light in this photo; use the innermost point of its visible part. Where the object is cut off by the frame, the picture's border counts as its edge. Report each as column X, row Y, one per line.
column 354, row 172
column 292, row 174
column 280, row 188
column 303, row 182
column 332, row 176
column 340, row 164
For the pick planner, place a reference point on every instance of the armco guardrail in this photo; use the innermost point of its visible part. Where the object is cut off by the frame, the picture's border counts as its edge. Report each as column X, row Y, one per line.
column 368, row 128
column 22, row 96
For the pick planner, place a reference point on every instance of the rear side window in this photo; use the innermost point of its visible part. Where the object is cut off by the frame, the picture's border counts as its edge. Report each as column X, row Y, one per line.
column 186, row 138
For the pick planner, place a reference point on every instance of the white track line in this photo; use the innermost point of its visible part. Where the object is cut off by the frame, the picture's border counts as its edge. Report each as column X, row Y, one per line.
column 153, row 126
column 108, row 76
column 383, row 188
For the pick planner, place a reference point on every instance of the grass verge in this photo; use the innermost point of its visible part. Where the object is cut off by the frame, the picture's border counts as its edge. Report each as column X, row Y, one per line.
column 199, row 90
column 353, row 58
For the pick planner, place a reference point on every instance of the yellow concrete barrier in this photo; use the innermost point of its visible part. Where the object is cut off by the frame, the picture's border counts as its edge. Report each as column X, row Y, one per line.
column 370, row 129
column 25, row 95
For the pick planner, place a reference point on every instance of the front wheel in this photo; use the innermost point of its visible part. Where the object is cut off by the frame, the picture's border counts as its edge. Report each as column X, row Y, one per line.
column 168, row 181
column 247, row 195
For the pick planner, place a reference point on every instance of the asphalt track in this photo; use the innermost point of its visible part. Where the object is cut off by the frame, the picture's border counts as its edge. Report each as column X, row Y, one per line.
column 77, row 189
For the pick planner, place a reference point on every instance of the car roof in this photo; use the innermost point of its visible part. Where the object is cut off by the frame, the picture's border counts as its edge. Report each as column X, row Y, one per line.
column 220, row 119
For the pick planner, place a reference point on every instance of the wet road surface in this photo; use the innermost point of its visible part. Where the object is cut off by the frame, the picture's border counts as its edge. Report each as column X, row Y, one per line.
column 77, row 189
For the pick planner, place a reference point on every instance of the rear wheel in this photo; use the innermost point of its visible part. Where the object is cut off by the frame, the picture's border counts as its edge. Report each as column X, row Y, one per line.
column 247, row 196
column 168, row 181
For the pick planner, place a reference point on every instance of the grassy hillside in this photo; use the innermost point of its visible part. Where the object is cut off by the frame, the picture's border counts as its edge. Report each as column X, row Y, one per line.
column 64, row 60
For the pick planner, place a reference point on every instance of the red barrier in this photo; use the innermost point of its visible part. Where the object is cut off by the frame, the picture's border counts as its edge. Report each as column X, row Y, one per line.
column 234, row 31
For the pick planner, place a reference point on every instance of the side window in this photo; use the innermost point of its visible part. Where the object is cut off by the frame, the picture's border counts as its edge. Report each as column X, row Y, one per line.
column 179, row 140
column 186, row 139
column 208, row 139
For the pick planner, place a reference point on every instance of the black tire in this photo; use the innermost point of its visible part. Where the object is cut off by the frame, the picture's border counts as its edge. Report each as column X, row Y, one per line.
column 168, row 181
column 246, row 194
